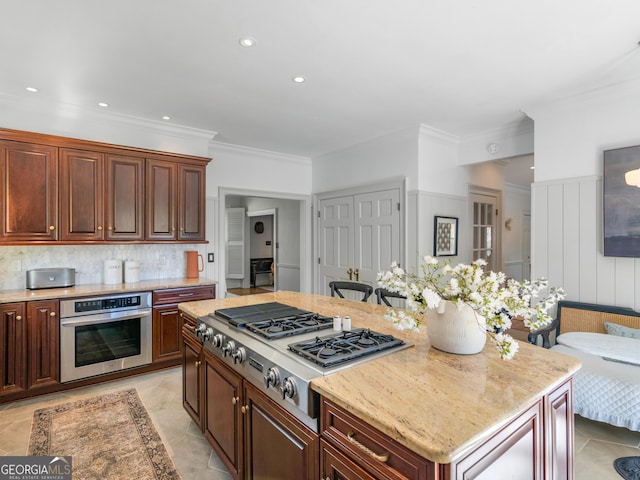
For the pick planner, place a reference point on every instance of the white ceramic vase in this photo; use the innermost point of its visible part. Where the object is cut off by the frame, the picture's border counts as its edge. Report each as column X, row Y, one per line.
column 454, row 330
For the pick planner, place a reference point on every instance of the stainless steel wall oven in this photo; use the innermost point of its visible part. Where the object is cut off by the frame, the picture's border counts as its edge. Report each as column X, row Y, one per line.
column 105, row 334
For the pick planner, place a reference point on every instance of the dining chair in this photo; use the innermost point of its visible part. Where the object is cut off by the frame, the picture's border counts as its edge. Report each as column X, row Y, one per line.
column 338, row 286
column 382, row 296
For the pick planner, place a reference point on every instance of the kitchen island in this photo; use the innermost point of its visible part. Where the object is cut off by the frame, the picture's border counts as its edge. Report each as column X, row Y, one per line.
column 474, row 416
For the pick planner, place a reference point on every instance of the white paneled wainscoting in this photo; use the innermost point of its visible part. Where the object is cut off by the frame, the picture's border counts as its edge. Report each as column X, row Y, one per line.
column 567, row 244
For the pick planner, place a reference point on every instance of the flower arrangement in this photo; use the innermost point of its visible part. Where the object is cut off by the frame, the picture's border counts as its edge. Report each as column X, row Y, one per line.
column 489, row 294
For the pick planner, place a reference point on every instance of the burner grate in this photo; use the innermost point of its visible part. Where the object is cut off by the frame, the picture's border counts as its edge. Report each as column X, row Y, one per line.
column 273, row 328
column 345, row 346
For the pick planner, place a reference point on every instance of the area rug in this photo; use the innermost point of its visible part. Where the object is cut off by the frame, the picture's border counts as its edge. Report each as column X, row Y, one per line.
column 109, row 437
column 628, row 467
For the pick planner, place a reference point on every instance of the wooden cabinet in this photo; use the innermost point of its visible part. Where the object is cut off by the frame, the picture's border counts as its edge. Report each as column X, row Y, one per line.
column 13, row 347
column 167, row 320
column 192, row 392
column 43, row 355
column 253, row 436
column 29, row 192
column 125, row 197
column 57, row 189
column 276, row 444
column 176, row 201
column 81, row 195
column 191, row 202
column 223, row 412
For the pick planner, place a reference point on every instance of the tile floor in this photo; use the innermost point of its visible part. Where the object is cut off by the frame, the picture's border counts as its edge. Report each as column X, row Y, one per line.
column 596, row 444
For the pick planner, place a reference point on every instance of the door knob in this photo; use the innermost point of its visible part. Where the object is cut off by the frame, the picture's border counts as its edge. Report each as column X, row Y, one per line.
column 356, row 272
column 350, row 272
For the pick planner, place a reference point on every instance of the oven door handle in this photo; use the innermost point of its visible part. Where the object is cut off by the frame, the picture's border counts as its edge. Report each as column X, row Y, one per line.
column 104, row 318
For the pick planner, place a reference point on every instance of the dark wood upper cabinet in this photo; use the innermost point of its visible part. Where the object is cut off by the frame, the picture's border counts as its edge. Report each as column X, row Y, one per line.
column 29, row 191
column 125, row 198
column 162, row 183
column 81, row 195
column 57, row 189
column 191, row 202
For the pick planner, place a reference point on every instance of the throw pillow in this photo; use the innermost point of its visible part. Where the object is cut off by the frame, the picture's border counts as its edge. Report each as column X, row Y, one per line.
column 621, row 330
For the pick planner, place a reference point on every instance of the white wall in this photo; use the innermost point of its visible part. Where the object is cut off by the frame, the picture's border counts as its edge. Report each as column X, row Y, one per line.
column 567, row 195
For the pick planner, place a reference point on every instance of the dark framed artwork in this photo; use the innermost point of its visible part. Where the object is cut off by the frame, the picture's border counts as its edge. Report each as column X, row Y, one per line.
column 445, row 236
column 621, row 202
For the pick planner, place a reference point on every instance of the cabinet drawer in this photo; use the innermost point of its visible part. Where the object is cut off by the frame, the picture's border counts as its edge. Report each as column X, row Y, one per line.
column 374, row 451
column 188, row 294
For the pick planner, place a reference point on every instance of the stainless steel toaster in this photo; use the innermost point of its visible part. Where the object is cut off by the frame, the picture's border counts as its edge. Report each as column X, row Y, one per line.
column 51, row 278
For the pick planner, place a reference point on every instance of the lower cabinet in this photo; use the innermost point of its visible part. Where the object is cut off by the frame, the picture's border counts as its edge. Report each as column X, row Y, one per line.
column 192, row 391
column 254, row 437
column 536, row 444
column 29, row 345
column 167, row 322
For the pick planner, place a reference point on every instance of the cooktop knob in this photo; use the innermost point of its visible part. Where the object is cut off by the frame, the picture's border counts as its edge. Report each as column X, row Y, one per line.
column 272, row 377
column 229, row 348
column 288, row 388
column 200, row 329
column 207, row 334
column 218, row 340
column 239, row 355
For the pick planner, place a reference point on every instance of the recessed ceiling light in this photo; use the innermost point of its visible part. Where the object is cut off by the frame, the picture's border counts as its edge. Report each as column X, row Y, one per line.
column 166, row 117
column 32, row 89
column 247, row 41
column 298, row 79
column 103, row 104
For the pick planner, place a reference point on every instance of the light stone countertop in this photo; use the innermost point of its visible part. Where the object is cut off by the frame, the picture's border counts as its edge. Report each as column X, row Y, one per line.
column 436, row 404
column 8, row 296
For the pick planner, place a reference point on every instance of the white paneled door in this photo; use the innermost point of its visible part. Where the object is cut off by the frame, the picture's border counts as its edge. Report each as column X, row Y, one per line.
column 359, row 235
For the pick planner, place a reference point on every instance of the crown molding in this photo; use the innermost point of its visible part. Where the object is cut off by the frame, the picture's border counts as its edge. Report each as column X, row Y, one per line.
column 242, row 150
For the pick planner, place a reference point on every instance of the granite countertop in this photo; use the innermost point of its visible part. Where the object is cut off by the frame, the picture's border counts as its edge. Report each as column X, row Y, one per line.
column 436, row 404
column 25, row 295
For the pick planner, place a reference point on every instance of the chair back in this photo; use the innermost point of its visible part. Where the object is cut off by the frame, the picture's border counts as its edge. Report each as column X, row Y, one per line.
column 383, row 295
column 337, row 288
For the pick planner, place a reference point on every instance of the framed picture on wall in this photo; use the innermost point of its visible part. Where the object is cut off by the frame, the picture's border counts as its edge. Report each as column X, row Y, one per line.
column 621, row 202
column 445, row 236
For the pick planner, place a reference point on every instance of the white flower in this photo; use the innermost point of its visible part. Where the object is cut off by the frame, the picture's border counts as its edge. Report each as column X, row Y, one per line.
column 489, row 294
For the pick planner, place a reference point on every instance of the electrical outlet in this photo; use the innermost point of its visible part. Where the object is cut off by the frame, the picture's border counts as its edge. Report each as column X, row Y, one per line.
column 16, row 265
column 162, row 260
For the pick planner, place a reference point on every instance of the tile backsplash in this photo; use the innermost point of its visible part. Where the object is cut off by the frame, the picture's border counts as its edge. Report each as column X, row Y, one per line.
column 157, row 261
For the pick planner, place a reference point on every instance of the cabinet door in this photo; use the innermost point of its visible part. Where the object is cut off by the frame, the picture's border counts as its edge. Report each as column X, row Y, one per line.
column 81, row 195
column 167, row 328
column 222, row 413
column 191, row 375
column 13, row 348
column 559, row 441
column 44, row 343
column 29, row 191
column 276, row 444
column 191, row 202
column 162, row 200
column 125, row 198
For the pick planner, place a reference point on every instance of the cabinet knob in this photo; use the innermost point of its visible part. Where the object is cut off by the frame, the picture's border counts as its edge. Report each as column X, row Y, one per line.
column 99, row 227
column 244, row 408
column 19, row 317
column 110, row 228
column 51, row 227
column 52, row 314
column 197, row 364
column 235, row 400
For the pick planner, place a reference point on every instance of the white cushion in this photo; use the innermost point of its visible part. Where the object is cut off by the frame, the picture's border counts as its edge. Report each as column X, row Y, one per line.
column 603, row 345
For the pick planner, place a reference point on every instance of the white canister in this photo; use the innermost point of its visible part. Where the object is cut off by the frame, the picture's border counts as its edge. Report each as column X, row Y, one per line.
column 112, row 271
column 131, row 271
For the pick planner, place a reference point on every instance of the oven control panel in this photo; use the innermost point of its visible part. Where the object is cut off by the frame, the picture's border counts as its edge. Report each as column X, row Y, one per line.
column 107, row 303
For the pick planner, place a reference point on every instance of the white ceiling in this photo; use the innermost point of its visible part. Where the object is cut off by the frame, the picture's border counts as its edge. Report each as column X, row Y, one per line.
column 372, row 66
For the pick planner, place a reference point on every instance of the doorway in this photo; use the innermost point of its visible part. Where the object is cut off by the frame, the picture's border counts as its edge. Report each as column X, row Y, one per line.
column 486, row 242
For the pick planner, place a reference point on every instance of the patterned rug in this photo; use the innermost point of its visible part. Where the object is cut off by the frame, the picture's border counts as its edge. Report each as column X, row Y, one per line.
column 109, row 437
column 628, row 467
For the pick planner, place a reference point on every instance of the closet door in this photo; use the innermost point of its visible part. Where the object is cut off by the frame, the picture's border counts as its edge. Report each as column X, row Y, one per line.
column 336, row 241
column 359, row 235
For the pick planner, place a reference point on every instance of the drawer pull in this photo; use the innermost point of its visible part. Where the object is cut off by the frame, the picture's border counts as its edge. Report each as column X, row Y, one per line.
column 185, row 294
column 381, row 458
